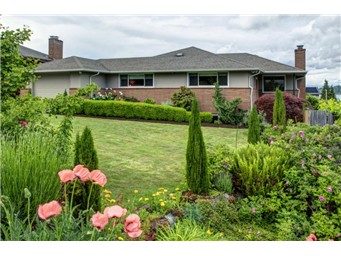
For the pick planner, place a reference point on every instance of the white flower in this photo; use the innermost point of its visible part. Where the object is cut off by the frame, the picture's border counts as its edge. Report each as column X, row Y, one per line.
column 121, row 93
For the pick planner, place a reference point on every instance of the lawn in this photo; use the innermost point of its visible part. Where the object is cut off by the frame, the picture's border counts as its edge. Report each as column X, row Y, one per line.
column 145, row 156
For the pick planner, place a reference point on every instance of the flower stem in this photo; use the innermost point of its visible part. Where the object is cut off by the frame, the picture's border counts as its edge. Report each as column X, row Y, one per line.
column 87, row 207
column 73, row 192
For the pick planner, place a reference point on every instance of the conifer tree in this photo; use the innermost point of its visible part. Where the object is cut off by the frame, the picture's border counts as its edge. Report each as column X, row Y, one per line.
column 88, row 153
column 325, row 91
column 196, row 159
column 254, row 127
column 77, row 150
column 279, row 111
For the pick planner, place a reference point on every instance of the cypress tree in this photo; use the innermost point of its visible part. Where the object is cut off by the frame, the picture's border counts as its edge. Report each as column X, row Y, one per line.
column 279, row 111
column 254, row 127
column 196, row 159
column 76, row 160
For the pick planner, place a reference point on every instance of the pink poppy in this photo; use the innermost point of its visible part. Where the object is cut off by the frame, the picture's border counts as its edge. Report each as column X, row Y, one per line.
column 132, row 226
column 49, row 210
column 311, row 237
column 66, row 175
column 81, row 172
column 98, row 177
column 99, row 220
column 115, row 211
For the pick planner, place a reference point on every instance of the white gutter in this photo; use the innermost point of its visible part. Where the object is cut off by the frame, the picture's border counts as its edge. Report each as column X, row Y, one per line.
column 251, row 105
column 92, row 77
column 298, row 94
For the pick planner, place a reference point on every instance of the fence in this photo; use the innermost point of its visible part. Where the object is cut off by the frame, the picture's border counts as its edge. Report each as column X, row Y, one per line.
column 318, row 117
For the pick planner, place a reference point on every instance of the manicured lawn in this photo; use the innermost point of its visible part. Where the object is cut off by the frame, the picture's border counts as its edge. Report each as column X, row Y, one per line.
column 144, row 155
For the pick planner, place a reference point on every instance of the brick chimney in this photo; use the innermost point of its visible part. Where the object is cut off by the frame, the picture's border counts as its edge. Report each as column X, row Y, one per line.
column 55, row 48
column 300, row 63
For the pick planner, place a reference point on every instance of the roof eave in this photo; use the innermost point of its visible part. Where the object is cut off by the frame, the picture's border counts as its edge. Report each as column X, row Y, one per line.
column 70, row 70
column 285, row 72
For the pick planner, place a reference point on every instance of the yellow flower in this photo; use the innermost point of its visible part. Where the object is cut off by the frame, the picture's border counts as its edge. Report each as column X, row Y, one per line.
column 173, row 198
column 161, row 188
column 146, row 199
column 107, row 196
column 136, row 191
column 157, row 193
column 106, row 191
column 153, row 194
column 177, row 189
column 162, row 204
column 120, row 238
column 141, row 198
column 171, row 194
column 209, row 232
column 160, row 200
column 221, row 234
column 165, row 190
column 112, row 201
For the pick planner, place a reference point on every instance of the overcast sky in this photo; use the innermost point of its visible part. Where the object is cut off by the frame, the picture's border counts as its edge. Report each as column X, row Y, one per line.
column 270, row 36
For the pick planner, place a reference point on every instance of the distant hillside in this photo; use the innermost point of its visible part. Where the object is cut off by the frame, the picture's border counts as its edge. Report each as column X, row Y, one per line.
column 337, row 89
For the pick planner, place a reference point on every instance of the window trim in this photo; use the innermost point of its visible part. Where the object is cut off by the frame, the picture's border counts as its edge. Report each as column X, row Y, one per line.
column 208, row 72
column 135, row 74
column 285, row 82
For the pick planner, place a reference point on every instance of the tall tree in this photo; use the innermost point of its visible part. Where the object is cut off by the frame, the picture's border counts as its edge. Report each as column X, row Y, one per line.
column 16, row 71
column 327, row 91
column 196, row 158
column 254, row 127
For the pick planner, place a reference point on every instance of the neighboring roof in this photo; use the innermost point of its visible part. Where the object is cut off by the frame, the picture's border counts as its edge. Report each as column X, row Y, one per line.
column 265, row 65
column 30, row 53
column 312, row 90
column 183, row 60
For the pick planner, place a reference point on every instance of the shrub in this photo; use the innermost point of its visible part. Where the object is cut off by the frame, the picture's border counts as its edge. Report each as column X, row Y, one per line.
column 258, row 169
column 30, row 162
column 223, row 182
column 332, row 106
column 228, row 112
column 254, row 127
column 279, row 112
column 149, row 101
column 293, row 106
column 139, row 110
column 64, row 105
column 313, row 100
column 196, row 158
column 183, row 98
column 88, row 90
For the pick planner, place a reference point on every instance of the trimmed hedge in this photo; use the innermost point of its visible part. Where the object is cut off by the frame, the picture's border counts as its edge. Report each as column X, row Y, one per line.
column 139, row 110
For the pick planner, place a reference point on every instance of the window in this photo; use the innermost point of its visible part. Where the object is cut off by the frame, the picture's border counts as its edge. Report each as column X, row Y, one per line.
column 270, row 83
column 207, row 79
column 137, row 80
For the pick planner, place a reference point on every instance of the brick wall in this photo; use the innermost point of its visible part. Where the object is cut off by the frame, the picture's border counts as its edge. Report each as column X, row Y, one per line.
column 204, row 95
column 300, row 63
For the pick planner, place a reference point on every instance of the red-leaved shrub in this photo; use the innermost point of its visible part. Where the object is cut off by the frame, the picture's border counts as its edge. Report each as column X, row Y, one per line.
column 293, row 106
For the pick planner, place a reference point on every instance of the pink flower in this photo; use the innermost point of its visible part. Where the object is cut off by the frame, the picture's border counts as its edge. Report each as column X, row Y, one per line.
column 275, row 127
column 294, row 135
column 99, row 220
column 329, row 156
column 98, row 177
column 311, row 237
column 132, row 225
column 115, row 211
column 316, row 172
column 66, row 175
column 329, row 189
column 321, row 198
column 302, row 163
column 49, row 210
column 301, row 132
column 81, row 172
column 253, row 211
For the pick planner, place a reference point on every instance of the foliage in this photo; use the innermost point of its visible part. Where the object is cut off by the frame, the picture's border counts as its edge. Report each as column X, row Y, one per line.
column 139, row 110
column 279, row 112
column 313, row 100
column 196, row 158
column 64, row 105
column 261, row 118
column 228, row 112
column 185, row 230
column 327, row 91
column 106, row 96
column 183, row 98
column 253, row 127
column 223, row 182
column 88, row 90
column 293, row 106
column 16, row 71
column 149, row 101
column 332, row 106
column 22, row 114
column 30, row 162
column 219, row 158
column 312, row 184
column 258, row 169
column 129, row 99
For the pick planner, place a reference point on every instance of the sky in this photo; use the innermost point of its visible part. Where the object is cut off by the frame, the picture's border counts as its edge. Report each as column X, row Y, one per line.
column 272, row 36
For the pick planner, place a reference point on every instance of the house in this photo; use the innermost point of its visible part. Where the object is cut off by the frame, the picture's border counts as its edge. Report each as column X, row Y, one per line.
column 55, row 51
column 313, row 91
column 241, row 75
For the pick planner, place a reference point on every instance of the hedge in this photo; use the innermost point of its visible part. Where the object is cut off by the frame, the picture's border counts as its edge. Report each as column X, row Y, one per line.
column 139, row 110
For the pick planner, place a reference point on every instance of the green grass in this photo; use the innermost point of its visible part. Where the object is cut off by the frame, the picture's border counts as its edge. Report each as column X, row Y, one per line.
column 144, row 155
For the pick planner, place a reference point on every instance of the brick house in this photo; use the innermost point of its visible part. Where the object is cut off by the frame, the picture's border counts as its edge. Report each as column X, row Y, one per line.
column 240, row 75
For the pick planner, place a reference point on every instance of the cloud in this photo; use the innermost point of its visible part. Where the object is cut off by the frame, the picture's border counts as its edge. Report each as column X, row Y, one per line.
column 270, row 36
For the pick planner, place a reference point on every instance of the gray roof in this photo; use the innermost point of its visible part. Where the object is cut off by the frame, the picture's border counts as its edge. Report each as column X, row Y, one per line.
column 312, row 90
column 189, row 59
column 30, row 53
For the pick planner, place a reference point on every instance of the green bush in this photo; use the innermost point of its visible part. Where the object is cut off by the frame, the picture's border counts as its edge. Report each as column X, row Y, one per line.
column 149, row 101
column 223, row 182
column 31, row 162
column 183, row 98
column 254, row 127
column 88, row 90
column 314, row 101
column 139, row 110
column 258, row 169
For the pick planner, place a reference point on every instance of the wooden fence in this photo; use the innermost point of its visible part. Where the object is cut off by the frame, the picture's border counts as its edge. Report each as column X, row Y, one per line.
column 318, row 117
